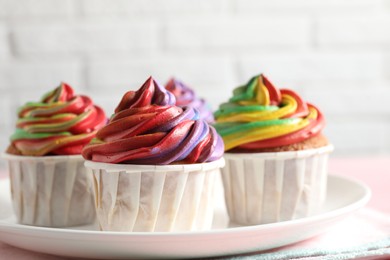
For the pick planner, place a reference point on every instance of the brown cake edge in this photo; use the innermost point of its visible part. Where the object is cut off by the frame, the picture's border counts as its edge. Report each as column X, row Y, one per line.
column 314, row 142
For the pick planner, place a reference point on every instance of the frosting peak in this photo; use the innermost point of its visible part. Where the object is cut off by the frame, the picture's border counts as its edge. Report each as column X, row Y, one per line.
column 259, row 115
column 62, row 93
column 258, row 91
column 150, row 93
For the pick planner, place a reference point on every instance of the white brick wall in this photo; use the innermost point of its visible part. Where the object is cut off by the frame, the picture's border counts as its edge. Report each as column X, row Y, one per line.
column 84, row 37
column 354, row 31
column 38, row 75
column 4, row 44
column 239, row 33
column 104, row 72
column 152, row 7
column 368, row 138
column 315, row 66
column 308, row 7
column 6, row 121
column 336, row 53
column 36, row 8
column 354, row 101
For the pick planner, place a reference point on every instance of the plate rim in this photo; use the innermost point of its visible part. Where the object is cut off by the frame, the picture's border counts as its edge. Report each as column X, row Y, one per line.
column 358, row 203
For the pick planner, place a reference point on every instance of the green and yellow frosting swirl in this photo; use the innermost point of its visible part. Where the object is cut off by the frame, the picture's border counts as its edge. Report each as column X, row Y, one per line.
column 259, row 115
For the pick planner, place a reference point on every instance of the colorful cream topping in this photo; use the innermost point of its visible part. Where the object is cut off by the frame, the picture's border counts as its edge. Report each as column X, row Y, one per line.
column 185, row 96
column 262, row 116
column 60, row 124
column 147, row 128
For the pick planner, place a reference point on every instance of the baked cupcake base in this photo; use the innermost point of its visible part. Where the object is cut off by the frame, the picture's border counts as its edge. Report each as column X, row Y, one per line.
column 271, row 187
column 51, row 191
column 147, row 198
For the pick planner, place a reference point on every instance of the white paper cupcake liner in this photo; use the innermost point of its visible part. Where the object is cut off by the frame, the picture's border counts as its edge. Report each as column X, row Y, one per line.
column 271, row 187
column 51, row 191
column 143, row 198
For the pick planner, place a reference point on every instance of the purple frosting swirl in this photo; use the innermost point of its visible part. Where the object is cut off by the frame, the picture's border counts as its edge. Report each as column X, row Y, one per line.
column 185, row 96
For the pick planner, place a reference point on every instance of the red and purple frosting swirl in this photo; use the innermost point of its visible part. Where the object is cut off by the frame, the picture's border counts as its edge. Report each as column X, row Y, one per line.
column 147, row 128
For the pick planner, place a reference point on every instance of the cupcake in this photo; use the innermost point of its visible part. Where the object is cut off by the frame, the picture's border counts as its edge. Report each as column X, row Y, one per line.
column 185, row 96
column 276, row 155
column 49, row 184
column 154, row 165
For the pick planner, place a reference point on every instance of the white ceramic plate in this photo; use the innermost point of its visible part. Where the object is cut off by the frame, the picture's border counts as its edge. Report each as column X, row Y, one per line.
column 344, row 197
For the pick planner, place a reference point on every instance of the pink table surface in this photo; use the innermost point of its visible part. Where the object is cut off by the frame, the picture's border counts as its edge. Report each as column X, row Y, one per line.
column 375, row 217
column 373, row 171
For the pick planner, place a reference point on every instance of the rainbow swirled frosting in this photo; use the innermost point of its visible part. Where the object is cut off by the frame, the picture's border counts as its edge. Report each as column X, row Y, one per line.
column 185, row 96
column 60, row 124
column 147, row 128
column 259, row 115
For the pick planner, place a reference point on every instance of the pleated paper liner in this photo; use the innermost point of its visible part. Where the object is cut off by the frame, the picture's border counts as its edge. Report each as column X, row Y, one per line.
column 51, row 191
column 271, row 187
column 148, row 198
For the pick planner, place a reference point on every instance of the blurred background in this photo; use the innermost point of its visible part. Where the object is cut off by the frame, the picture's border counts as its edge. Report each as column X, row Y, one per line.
column 335, row 53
